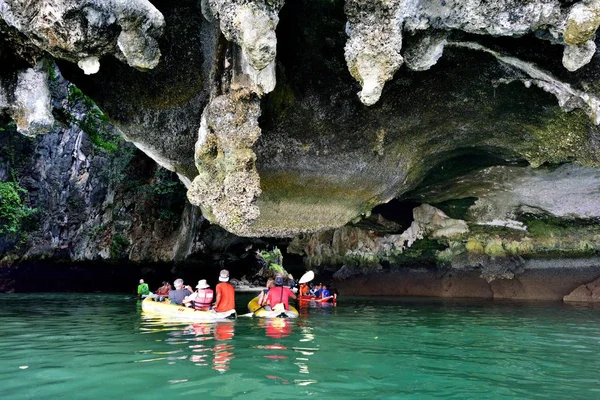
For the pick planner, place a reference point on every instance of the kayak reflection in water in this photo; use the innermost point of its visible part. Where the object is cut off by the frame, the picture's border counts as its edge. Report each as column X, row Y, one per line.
column 222, row 350
column 278, row 328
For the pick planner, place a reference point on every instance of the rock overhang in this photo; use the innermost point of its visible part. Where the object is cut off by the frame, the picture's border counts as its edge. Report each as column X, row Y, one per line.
column 322, row 157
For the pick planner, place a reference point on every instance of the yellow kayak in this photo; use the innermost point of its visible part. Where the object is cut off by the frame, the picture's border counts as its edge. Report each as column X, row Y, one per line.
column 166, row 309
column 259, row 311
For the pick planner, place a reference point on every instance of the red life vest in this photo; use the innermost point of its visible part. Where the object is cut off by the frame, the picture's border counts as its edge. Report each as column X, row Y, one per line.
column 203, row 299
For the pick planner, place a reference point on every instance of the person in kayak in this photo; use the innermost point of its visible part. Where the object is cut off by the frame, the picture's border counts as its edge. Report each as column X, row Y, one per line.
column 303, row 289
column 279, row 295
column 164, row 289
column 143, row 289
column 262, row 297
column 225, row 293
column 325, row 292
column 317, row 290
column 176, row 296
column 292, row 283
column 201, row 298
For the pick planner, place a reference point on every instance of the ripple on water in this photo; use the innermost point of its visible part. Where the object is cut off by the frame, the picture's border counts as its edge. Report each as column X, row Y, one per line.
column 94, row 346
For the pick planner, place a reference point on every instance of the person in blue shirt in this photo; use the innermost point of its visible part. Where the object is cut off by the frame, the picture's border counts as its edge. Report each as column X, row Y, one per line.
column 318, row 290
column 325, row 292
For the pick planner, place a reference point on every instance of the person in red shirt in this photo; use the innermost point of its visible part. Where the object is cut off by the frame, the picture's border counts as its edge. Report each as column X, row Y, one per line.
column 225, row 293
column 279, row 294
column 164, row 289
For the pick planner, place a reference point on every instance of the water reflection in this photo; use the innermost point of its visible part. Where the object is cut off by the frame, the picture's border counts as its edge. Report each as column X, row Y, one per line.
column 278, row 328
column 303, row 354
column 202, row 344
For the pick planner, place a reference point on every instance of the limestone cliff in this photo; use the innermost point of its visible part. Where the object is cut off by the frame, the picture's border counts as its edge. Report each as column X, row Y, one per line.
column 488, row 111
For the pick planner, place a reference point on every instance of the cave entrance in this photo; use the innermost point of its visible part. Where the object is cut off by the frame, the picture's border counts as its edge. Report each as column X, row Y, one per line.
column 398, row 212
column 433, row 188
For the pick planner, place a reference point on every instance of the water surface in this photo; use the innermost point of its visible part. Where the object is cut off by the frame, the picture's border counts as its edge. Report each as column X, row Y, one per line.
column 101, row 346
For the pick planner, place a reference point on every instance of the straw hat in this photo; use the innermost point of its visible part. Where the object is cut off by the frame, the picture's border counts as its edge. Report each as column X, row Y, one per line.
column 202, row 284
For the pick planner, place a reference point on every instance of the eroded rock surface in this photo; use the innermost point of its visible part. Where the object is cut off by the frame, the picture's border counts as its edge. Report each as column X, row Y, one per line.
column 588, row 293
column 375, row 32
column 482, row 79
column 251, row 25
column 505, row 192
column 83, row 31
column 342, row 245
column 228, row 184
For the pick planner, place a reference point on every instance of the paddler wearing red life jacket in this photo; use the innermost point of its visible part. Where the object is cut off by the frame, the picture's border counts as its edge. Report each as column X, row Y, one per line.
column 279, row 294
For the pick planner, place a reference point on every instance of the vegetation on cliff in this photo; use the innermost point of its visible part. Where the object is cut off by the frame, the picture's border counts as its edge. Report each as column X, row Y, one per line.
column 13, row 210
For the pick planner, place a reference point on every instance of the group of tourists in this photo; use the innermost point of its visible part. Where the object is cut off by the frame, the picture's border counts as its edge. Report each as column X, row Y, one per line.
column 200, row 299
column 274, row 298
column 318, row 291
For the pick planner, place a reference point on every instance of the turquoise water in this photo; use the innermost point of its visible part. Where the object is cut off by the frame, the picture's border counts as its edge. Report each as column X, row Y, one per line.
column 82, row 346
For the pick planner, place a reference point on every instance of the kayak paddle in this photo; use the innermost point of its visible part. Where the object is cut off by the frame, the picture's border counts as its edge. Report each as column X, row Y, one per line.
column 307, row 277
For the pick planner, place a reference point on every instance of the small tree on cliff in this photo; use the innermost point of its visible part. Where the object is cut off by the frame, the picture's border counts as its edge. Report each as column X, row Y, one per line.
column 12, row 209
column 272, row 262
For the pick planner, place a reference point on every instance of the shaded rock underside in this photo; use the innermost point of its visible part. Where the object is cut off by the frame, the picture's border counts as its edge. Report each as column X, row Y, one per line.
column 469, row 107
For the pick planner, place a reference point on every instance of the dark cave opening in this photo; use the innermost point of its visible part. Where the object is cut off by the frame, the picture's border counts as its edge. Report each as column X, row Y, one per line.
column 397, row 211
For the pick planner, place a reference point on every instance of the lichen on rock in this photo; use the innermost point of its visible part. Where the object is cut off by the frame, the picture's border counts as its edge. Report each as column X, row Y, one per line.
column 582, row 22
column 228, row 184
column 29, row 104
column 375, row 31
column 251, row 25
column 78, row 30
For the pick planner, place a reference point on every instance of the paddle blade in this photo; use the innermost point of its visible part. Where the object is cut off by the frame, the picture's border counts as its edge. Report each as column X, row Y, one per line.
column 307, row 277
column 250, row 314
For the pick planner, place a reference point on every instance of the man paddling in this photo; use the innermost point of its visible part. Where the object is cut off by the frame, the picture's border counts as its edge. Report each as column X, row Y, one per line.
column 278, row 297
column 143, row 289
column 225, row 293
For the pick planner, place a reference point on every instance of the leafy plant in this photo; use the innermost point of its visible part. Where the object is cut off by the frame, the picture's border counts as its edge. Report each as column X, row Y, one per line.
column 12, row 209
column 95, row 231
column 118, row 246
column 94, row 123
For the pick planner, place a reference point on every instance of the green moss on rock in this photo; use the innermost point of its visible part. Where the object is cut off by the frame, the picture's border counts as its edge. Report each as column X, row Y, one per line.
column 474, row 246
column 560, row 138
column 495, row 249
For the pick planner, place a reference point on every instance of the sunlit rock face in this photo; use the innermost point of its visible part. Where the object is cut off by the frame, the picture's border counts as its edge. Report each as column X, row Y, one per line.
column 254, row 103
column 376, row 30
column 159, row 110
column 26, row 98
column 82, row 31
